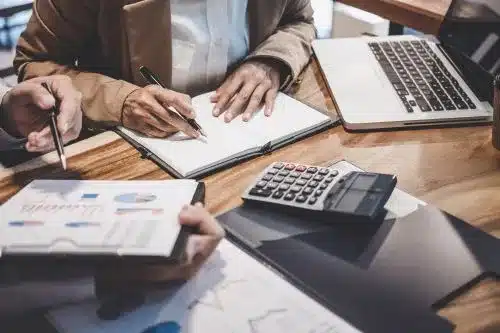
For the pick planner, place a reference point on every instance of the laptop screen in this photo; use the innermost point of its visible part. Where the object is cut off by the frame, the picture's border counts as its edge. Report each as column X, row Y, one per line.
column 470, row 35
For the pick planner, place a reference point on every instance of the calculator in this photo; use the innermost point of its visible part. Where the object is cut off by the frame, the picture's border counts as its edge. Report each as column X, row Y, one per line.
column 320, row 189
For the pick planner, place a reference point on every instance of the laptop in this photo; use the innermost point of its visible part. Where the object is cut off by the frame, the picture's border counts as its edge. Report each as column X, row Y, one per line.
column 410, row 81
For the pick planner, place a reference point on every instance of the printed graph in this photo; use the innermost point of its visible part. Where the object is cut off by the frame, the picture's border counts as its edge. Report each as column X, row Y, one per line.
column 129, row 211
column 268, row 320
column 135, row 198
column 71, row 209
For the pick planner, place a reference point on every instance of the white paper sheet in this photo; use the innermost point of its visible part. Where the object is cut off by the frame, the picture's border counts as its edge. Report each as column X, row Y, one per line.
column 232, row 293
column 126, row 217
column 225, row 140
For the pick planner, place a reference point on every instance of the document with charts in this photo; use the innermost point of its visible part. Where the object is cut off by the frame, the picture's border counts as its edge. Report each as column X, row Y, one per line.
column 227, row 143
column 126, row 218
column 233, row 292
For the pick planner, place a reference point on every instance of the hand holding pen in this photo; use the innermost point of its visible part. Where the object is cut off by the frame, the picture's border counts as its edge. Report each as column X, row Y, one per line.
column 159, row 112
column 26, row 108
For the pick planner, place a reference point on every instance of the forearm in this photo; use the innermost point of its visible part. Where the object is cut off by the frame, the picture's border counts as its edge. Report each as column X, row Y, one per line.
column 58, row 34
column 102, row 96
column 291, row 42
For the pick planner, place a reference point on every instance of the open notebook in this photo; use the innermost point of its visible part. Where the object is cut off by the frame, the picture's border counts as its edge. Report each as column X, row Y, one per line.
column 227, row 144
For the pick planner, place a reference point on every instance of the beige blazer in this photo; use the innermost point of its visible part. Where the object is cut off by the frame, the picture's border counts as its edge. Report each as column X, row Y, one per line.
column 102, row 43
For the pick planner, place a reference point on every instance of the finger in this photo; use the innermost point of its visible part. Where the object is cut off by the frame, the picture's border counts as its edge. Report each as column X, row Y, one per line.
column 240, row 101
column 214, row 98
column 35, row 94
column 270, row 99
column 183, row 126
column 154, row 113
column 226, row 93
column 199, row 217
column 255, row 102
column 181, row 103
column 69, row 106
column 155, row 132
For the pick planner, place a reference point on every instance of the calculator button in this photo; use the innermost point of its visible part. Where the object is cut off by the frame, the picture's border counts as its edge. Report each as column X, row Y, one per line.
column 301, row 168
column 307, row 190
column 284, row 187
column 312, row 201
column 301, row 199
column 261, row 184
column 267, row 177
column 278, row 179
column 295, row 174
column 301, row 182
column 284, row 173
column 260, row 192
column 306, row 176
column 290, row 167
column 278, row 166
column 318, row 177
column 323, row 186
column 318, row 193
column 313, row 183
column 289, row 181
column 296, row 188
column 312, row 170
column 272, row 185
column 324, row 171
column 289, row 196
column 272, row 172
column 328, row 180
column 333, row 173
column 278, row 194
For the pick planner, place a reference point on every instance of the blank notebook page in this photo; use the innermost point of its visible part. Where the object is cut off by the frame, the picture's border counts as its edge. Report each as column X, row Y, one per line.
column 226, row 140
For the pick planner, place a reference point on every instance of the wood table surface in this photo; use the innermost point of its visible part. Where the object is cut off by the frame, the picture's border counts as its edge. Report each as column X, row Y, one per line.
column 423, row 15
column 456, row 169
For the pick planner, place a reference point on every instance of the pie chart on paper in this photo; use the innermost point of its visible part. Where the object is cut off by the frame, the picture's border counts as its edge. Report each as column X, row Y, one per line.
column 135, row 198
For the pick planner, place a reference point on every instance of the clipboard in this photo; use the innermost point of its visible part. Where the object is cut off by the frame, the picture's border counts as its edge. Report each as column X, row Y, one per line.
column 27, row 262
column 364, row 273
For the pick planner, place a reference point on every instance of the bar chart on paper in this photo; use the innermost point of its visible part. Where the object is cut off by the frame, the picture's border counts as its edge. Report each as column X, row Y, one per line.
column 232, row 293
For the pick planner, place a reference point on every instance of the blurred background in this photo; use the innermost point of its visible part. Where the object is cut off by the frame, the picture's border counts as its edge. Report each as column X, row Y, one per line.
column 333, row 20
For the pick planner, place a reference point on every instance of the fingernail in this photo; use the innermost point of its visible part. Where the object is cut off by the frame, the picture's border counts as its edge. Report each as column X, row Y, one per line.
column 216, row 112
column 227, row 119
column 47, row 101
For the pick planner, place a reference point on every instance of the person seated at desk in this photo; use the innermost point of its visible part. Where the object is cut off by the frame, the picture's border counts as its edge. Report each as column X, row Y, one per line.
column 192, row 46
column 24, row 113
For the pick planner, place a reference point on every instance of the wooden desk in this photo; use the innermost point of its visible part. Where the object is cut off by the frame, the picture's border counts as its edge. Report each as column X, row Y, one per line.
column 454, row 169
column 423, row 15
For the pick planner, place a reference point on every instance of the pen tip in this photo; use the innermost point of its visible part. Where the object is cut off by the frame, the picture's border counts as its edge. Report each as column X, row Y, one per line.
column 63, row 162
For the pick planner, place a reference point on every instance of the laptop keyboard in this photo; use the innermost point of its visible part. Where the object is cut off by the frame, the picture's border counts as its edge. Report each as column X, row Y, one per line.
column 419, row 77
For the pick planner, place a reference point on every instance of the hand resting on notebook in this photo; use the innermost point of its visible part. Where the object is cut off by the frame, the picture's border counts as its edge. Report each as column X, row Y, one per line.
column 198, row 248
column 253, row 84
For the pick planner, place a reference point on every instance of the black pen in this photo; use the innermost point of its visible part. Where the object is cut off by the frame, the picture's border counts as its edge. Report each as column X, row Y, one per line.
column 153, row 79
column 55, row 131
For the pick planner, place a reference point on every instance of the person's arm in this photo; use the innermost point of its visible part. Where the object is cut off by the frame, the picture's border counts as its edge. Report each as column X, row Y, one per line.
column 57, row 33
column 274, row 65
column 291, row 43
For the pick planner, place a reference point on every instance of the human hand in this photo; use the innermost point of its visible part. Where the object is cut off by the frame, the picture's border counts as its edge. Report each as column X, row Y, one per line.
column 26, row 108
column 254, row 83
column 147, row 110
column 198, row 248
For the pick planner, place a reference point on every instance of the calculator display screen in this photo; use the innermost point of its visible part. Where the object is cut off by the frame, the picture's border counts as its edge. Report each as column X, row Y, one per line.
column 364, row 182
column 351, row 200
